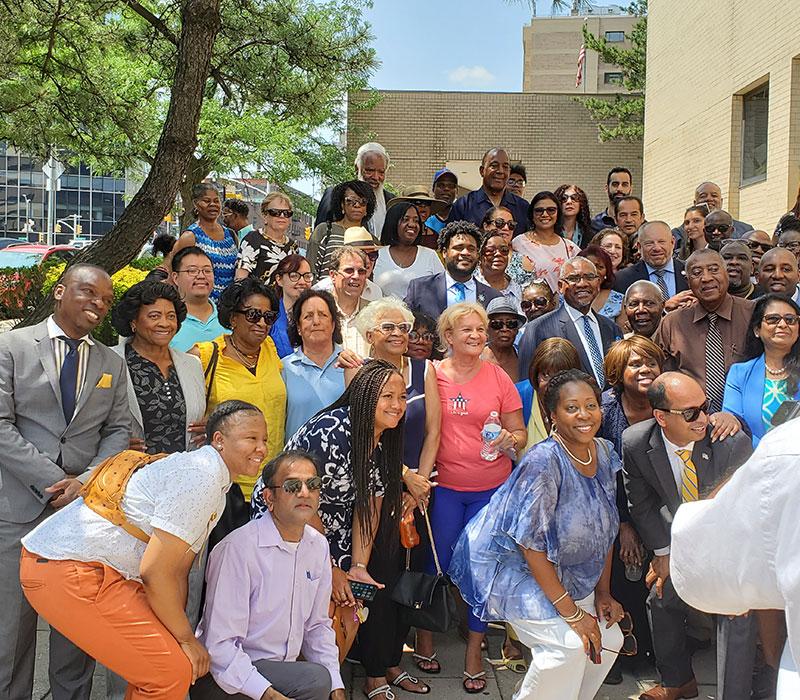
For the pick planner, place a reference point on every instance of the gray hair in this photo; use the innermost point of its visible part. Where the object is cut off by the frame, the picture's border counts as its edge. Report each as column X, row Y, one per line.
column 371, row 147
column 652, row 286
column 574, row 259
column 370, row 315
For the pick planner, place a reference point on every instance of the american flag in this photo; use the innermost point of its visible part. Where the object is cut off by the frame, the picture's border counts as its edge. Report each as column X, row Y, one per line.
column 581, row 61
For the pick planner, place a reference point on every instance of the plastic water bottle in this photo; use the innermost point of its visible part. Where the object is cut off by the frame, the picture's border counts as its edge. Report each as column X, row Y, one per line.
column 491, row 429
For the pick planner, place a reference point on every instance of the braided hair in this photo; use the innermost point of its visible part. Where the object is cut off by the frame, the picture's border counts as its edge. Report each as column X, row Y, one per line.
column 361, row 396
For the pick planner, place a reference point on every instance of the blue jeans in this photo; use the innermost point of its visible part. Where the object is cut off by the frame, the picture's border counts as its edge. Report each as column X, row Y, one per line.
column 451, row 512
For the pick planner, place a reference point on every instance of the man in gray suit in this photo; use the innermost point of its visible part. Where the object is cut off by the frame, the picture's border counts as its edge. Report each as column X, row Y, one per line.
column 63, row 409
column 668, row 460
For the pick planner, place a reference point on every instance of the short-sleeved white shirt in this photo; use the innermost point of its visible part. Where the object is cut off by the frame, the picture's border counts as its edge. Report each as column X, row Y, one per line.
column 182, row 494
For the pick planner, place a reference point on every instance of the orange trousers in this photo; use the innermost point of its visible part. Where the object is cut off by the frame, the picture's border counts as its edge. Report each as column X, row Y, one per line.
column 109, row 618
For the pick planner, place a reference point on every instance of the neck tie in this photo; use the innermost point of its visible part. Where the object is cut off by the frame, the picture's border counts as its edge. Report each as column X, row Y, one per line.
column 461, row 291
column 689, row 488
column 715, row 365
column 662, row 284
column 68, row 381
column 594, row 352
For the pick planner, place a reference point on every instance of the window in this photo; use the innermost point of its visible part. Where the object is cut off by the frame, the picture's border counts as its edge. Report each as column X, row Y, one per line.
column 615, row 37
column 612, row 78
column 755, row 120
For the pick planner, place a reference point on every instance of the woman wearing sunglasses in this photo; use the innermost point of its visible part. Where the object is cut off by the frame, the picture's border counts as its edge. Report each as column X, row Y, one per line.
column 244, row 363
column 499, row 220
column 537, row 299
column 495, row 254
column 290, row 278
column 422, row 340
column 756, row 388
column 576, row 217
column 261, row 250
column 504, row 324
column 539, row 556
column 543, row 248
column 358, row 441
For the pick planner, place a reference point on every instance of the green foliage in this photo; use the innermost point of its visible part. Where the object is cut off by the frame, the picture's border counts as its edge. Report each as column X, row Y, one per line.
column 147, row 263
column 622, row 118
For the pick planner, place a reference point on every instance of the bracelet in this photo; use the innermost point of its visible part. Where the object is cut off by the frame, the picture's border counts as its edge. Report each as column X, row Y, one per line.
column 359, row 565
column 405, row 470
column 577, row 616
column 560, row 598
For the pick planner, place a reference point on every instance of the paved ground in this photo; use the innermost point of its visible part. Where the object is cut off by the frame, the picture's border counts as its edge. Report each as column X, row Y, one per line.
column 447, row 685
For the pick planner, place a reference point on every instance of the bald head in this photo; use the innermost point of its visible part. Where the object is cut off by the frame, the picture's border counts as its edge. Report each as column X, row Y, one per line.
column 643, row 306
column 710, row 193
column 666, row 389
column 673, row 391
column 718, row 226
column 778, row 272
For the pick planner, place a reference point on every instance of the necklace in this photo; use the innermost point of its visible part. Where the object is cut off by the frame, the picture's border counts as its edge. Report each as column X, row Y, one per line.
column 248, row 361
column 579, row 461
column 775, row 372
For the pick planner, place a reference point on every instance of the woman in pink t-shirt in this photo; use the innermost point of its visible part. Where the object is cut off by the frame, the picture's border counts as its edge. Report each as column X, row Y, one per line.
column 469, row 390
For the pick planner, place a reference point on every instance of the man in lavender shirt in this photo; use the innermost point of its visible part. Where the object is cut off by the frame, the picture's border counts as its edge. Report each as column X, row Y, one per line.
column 268, row 589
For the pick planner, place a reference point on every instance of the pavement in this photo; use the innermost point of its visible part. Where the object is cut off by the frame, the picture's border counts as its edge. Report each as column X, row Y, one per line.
column 445, row 686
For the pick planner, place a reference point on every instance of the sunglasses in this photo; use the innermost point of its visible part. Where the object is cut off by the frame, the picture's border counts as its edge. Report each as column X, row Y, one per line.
column 387, row 327
column 790, row 245
column 774, row 319
column 545, row 210
column 254, row 315
column 758, row 245
column 296, row 485
column 372, row 255
column 416, row 337
column 490, row 252
column 351, row 271
column 688, row 414
column 498, row 324
column 537, row 302
column 502, row 223
column 568, row 197
column 629, row 644
column 353, row 202
column 295, row 276
column 281, row 213
column 722, row 228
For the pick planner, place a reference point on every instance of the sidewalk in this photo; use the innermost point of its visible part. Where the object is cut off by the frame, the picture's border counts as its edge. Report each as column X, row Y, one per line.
column 445, row 686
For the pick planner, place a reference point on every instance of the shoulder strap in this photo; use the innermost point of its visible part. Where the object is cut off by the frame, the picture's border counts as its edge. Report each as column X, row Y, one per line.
column 211, row 369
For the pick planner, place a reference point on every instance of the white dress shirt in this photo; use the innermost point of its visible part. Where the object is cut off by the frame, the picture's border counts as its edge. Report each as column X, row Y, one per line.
column 470, row 293
column 577, row 318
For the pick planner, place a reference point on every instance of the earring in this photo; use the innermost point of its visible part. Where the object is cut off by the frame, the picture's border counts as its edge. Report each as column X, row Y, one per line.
column 554, row 428
column 218, row 445
column 133, row 327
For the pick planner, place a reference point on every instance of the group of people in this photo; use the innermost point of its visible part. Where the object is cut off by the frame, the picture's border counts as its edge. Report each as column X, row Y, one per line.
column 538, row 388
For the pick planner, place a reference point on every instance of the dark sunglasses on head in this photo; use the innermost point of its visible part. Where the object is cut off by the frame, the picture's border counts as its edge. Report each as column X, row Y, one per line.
column 502, row 223
column 296, row 485
column 774, row 319
column 537, row 302
column 722, row 228
column 416, row 337
column 688, row 414
column 499, row 324
column 254, row 315
column 759, row 245
column 285, row 213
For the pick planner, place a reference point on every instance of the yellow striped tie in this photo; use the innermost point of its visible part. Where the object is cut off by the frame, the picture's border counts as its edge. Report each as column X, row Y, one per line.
column 689, row 489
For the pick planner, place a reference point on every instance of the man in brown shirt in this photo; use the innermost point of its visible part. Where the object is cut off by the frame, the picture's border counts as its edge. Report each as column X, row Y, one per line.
column 704, row 340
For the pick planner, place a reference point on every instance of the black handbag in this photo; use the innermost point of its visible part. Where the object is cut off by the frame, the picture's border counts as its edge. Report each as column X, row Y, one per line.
column 427, row 601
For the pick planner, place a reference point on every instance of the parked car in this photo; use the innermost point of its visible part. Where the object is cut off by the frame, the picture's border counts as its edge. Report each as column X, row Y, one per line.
column 5, row 242
column 24, row 259
column 21, row 255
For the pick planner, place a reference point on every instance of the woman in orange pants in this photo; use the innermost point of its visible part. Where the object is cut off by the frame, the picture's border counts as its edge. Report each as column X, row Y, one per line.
column 120, row 596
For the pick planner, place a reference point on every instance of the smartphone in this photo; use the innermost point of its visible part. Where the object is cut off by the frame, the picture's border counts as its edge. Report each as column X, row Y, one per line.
column 594, row 654
column 363, row 591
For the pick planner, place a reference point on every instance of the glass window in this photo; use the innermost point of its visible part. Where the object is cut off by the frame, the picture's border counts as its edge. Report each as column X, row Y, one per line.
column 755, row 121
column 615, row 37
column 612, row 78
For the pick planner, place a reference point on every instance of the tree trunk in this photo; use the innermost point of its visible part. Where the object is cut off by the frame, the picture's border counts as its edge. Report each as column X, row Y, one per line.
column 200, row 22
column 197, row 171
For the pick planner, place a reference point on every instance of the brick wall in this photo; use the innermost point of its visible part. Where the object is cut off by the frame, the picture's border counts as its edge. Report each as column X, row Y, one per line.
column 701, row 59
column 551, row 134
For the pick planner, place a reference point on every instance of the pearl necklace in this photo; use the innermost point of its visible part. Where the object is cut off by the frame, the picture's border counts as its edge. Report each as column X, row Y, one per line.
column 579, row 461
column 775, row 372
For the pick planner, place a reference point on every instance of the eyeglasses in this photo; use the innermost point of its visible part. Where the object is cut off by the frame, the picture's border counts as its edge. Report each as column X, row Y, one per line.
column 502, row 223
column 387, row 327
column 568, row 197
column 355, row 202
column 629, row 645
column 254, row 315
column 688, row 414
column 293, row 486
column 295, row 276
column 537, row 302
column 498, row 324
column 545, row 210
column 790, row 245
column 281, row 213
column 774, row 319
column 372, row 255
column 758, row 245
column 504, row 250
column 722, row 228
column 350, row 271
column 588, row 277
column 197, row 271
column 416, row 337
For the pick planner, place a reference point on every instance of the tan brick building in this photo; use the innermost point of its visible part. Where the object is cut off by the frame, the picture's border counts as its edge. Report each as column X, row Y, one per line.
column 551, row 134
column 723, row 104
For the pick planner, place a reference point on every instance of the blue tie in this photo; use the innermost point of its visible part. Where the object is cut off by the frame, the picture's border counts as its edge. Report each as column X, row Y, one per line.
column 461, row 291
column 68, row 381
column 594, row 351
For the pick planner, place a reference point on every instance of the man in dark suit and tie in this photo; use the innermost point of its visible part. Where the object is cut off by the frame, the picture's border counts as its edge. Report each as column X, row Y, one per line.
column 63, row 409
column 657, row 264
column 590, row 333
column 668, row 460
column 459, row 245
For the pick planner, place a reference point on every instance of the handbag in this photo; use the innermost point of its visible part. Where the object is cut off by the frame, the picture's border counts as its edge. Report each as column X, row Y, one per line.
column 345, row 625
column 426, row 600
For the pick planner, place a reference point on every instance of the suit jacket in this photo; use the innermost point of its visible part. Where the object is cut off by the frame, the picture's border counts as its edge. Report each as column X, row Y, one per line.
column 38, row 447
column 429, row 294
column 744, row 395
column 653, row 496
column 324, row 208
column 558, row 324
column 635, row 273
column 190, row 376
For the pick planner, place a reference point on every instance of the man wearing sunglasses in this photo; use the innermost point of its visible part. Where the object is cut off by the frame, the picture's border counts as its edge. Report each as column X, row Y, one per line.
column 361, row 239
column 674, row 458
column 254, row 629
column 759, row 243
column 717, row 227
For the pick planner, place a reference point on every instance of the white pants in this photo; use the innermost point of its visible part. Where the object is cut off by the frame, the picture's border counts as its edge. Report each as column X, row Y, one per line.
column 788, row 679
column 560, row 669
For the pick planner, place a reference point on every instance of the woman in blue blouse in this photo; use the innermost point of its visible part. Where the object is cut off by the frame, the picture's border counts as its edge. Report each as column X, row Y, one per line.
column 754, row 389
column 539, row 556
column 609, row 301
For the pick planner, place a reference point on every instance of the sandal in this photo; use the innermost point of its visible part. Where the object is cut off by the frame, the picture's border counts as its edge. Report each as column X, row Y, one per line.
column 477, row 677
column 419, row 659
column 406, row 677
column 380, row 690
column 514, row 664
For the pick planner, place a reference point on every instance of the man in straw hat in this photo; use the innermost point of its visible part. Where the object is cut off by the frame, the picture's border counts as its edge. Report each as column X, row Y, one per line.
column 358, row 237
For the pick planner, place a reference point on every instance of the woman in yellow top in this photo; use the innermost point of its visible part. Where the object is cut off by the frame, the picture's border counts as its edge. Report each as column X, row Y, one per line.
column 246, row 365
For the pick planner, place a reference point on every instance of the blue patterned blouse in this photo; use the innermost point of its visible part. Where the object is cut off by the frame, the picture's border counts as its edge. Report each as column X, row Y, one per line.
column 545, row 505
column 222, row 253
column 613, row 306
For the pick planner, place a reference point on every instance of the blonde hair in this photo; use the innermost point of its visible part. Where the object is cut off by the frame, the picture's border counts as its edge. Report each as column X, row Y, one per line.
column 453, row 314
column 273, row 197
column 619, row 354
column 370, row 315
